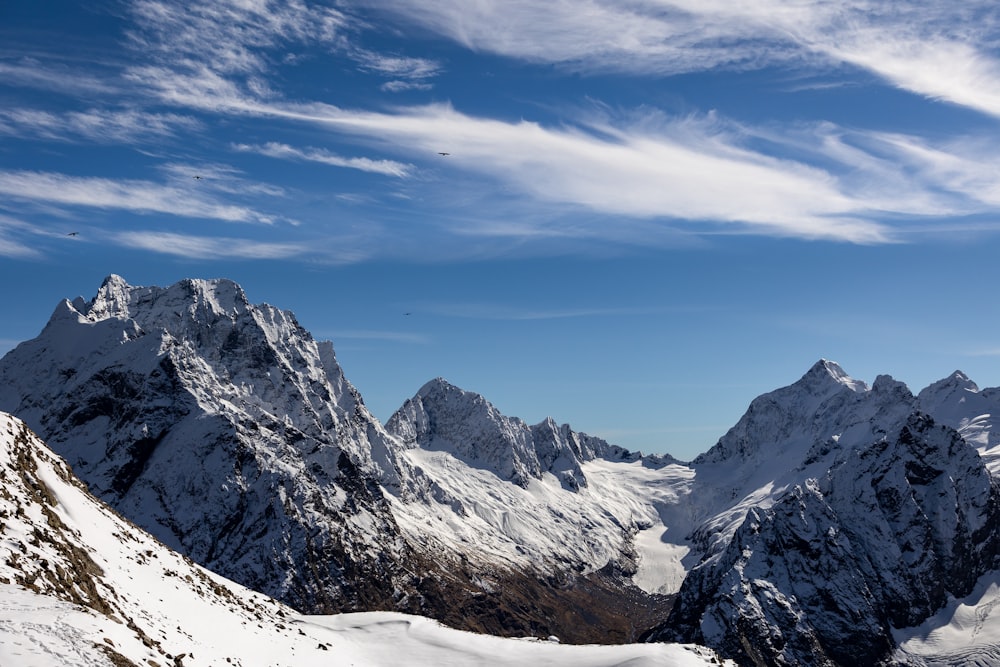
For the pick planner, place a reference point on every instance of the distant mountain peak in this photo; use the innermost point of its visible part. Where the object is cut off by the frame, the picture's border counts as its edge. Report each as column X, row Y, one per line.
column 956, row 381
column 828, row 374
column 144, row 386
column 791, row 420
column 444, row 417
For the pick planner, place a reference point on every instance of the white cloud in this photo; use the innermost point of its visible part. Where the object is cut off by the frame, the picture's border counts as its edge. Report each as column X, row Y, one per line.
column 943, row 51
column 703, row 173
column 132, row 195
column 397, row 86
column 12, row 238
column 697, row 169
column 202, row 247
column 594, row 34
column 98, row 125
column 687, row 170
column 286, row 152
column 229, row 36
column 396, row 66
column 965, row 167
column 15, row 249
column 29, row 72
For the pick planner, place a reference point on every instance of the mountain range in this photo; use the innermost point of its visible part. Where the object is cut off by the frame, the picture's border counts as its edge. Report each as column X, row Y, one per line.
column 828, row 521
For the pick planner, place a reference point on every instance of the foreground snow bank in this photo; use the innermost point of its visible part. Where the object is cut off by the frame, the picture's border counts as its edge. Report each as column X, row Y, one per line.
column 41, row 631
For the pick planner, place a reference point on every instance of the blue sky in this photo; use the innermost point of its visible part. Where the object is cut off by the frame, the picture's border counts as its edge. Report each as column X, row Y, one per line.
column 651, row 211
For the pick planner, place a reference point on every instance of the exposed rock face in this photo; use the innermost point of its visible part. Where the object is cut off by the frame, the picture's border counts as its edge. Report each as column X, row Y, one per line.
column 958, row 402
column 231, row 435
column 829, row 514
column 823, row 575
column 226, row 431
column 443, row 417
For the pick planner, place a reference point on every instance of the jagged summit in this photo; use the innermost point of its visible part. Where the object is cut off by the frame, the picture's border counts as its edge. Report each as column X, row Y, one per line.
column 825, row 574
column 791, row 420
column 228, row 431
column 956, row 386
column 444, row 417
column 116, row 298
column 208, row 420
column 818, row 378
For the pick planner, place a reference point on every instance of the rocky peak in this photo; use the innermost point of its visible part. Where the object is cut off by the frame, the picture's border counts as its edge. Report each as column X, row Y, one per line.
column 823, row 575
column 224, row 429
column 112, row 300
column 442, row 416
column 792, row 420
column 958, row 402
column 949, row 392
column 825, row 376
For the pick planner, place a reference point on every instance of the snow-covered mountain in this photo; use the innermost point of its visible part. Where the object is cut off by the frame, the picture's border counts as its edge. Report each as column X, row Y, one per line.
column 844, row 515
column 81, row 587
column 959, row 403
column 223, row 429
column 824, row 575
column 229, row 433
column 534, row 496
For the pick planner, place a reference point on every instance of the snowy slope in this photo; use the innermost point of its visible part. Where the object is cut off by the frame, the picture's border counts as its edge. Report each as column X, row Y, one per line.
column 540, row 497
column 958, row 402
column 965, row 632
column 787, row 436
column 225, row 430
column 80, row 586
column 828, row 570
column 229, row 433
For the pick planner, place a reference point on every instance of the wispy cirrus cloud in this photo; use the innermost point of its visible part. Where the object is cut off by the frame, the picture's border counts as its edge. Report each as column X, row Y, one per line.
column 31, row 73
column 702, row 172
column 21, row 240
column 698, row 169
column 208, row 247
column 396, row 66
column 132, row 195
column 230, row 36
column 405, row 73
column 943, row 51
column 686, row 169
column 322, row 156
column 397, row 86
column 97, row 125
column 12, row 248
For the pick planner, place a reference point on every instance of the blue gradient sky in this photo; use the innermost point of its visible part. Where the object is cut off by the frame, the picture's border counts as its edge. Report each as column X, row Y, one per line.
column 651, row 212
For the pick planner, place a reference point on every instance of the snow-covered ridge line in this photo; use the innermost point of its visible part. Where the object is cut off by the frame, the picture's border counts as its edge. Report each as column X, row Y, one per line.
column 80, row 587
column 233, row 435
column 230, row 433
column 837, row 563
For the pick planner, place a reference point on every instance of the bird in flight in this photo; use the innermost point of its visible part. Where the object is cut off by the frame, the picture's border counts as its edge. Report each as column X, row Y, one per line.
column 73, row 234
column 444, row 153
column 197, row 178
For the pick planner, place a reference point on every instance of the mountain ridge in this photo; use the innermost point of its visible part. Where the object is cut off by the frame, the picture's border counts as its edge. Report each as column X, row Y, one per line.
column 81, row 586
column 233, row 435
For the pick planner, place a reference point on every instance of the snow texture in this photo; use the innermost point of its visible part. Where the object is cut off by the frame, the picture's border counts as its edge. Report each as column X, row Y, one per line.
column 82, row 587
column 831, row 512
